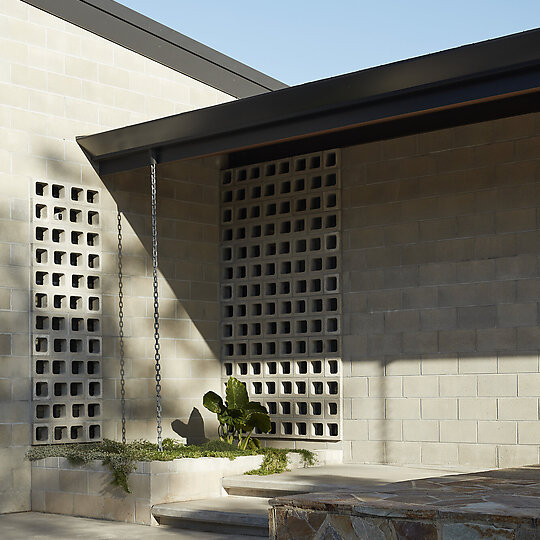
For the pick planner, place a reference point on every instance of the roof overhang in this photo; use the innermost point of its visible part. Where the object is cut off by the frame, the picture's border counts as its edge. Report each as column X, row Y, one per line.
column 134, row 31
column 493, row 78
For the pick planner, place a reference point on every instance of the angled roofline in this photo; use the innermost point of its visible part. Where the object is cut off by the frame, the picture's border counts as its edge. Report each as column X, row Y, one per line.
column 153, row 40
column 490, row 78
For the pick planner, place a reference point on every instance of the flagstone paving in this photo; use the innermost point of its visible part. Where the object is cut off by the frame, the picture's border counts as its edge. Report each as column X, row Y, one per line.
column 500, row 504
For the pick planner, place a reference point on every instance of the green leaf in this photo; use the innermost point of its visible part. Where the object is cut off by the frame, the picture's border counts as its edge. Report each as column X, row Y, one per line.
column 213, row 402
column 254, row 406
column 260, row 421
column 236, row 394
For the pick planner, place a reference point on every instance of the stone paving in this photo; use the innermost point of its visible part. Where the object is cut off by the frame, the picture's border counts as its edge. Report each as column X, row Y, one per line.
column 500, row 504
column 37, row 526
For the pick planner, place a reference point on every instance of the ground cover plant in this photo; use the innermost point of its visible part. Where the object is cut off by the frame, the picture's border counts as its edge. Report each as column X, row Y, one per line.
column 121, row 458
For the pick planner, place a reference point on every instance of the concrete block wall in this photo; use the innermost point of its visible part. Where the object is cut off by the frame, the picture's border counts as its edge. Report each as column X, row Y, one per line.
column 57, row 81
column 188, row 213
column 441, row 289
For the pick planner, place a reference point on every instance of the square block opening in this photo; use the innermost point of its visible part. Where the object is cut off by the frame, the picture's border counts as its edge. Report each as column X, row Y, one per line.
column 60, row 389
column 60, row 345
column 76, row 345
column 301, row 408
column 76, row 237
column 59, row 301
column 92, row 282
column 58, row 323
column 332, row 430
column 77, row 367
column 41, row 345
column 94, row 388
column 40, row 300
column 94, row 431
column 42, row 256
column 58, row 279
column 58, row 367
column 41, row 233
column 77, row 410
column 41, row 189
column 42, row 367
column 40, row 211
column 92, row 196
column 94, row 346
column 332, row 387
column 93, row 218
column 60, row 433
column 93, row 325
column 42, row 322
column 58, row 235
column 75, row 259
column 285, row 407
column 286, row 387
column 42, row 411
column 332, row 409
column 59, row 410
column 94, row 409
column 57, row 191
column 76, row 389
column 92, row 239
column 286, row 428
column 271, row 368
column 59, row 213
column 42, row 433
column 76, row 433
column 76, row 194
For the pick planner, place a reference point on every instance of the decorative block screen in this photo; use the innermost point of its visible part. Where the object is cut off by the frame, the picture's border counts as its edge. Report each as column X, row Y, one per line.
column 281, row 290
column 66, row 314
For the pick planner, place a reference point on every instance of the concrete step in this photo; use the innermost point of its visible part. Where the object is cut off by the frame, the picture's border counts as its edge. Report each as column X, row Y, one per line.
column 267, row 487
column 241, row 516
column 326, row 479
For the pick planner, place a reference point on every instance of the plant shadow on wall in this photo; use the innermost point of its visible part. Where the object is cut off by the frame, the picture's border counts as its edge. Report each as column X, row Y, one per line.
column 193, row 430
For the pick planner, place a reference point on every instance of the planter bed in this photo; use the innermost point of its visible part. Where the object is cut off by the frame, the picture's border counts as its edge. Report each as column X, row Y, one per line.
column 59, row 487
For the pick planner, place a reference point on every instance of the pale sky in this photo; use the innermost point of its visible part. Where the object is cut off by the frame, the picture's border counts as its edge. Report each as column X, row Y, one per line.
column 303, row 40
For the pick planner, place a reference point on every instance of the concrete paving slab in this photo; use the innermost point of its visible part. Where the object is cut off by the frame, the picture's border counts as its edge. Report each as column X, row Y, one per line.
column 332, row 478
column 37, row 526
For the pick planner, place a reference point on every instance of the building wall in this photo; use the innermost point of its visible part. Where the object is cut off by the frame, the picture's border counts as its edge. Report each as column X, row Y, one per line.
column 188, row 236
column 441, row 292
column 58, row 81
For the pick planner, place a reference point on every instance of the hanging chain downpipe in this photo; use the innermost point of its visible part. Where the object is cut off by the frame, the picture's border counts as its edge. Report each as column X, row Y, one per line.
column 121, row 327
column 157, row 356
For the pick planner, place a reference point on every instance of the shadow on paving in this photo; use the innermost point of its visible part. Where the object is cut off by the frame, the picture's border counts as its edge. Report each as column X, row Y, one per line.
column 38, row 526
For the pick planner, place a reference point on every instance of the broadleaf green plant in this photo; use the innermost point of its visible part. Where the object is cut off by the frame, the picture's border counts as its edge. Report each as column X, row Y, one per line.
column 237, row 416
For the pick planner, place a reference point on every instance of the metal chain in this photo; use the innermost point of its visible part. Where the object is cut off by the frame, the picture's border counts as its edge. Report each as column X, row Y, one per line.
column 157, row 355
column 121, row 327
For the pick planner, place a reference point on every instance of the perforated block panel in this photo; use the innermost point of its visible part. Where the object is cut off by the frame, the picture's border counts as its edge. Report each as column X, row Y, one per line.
column 66, row 313
column 281, row 290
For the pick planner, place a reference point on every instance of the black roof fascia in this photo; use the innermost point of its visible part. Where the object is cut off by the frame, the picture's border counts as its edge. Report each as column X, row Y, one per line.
column 153, row 40
column 478, row 72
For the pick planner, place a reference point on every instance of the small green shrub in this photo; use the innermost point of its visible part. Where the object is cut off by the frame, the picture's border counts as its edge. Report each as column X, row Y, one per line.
column 238, row 416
